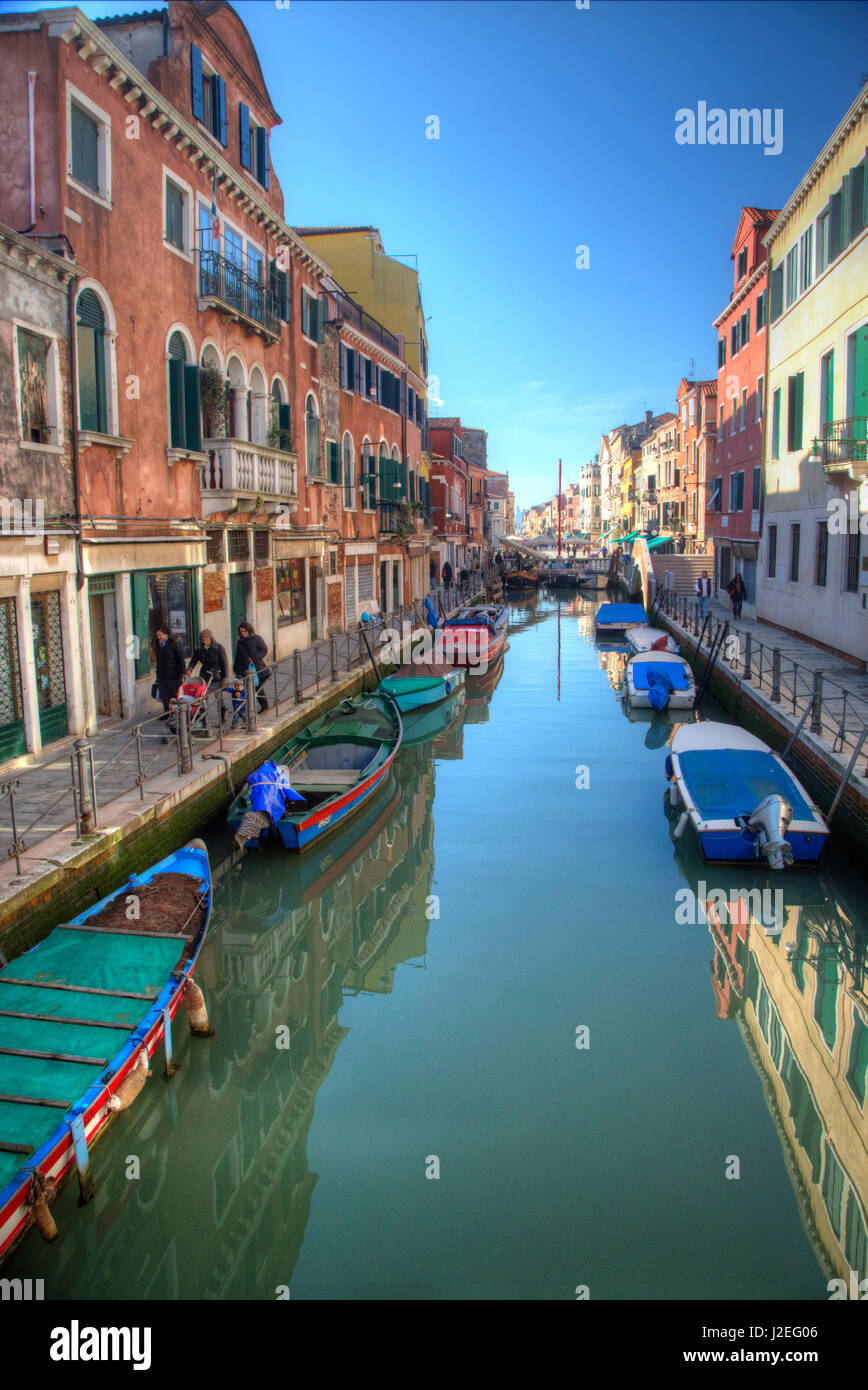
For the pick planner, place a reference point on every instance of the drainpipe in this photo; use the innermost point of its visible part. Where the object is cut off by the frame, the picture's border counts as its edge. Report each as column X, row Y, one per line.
column 31, row 126
column 73, row 408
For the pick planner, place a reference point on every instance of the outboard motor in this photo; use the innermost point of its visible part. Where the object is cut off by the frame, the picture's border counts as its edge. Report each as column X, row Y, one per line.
column 769, row 822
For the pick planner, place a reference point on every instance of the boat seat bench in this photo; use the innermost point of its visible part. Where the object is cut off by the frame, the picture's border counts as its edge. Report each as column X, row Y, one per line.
column 324, row 777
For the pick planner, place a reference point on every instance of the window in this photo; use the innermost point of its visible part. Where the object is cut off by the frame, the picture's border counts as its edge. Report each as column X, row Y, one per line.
column 91, row 351
column 792, row 275
column 822, row 256
column 822, row 565
column 827, row 392
column 736, row 491
column 776, row 287
column 773, row 552
column 289, row 583
column 776, row 424
column 851, row 579
column 239, row 544
column 184, row 403
column 807, row 258
column 88, row 156
column 744, row 328
column 311, row 439
column 349, row 472
column 836, row 225
column 368, row 477
column 721, row 351
column 720, row 427
column 741, row 271
column 333, row 462
column 743, row 423
column 733, row 423
column 757, row 486
column 733, row 342
column 312, row 317
column 857, row 201
column 761, row 306
column 857, row 1068
column 208, row 96
column 795, row 542
column 37, row 388
column 349, row 367
column 174, row 215
column 280, row 435
column 795, row 401
column 261, row 549
column 215, row 547
column 760, row 398
column 692, row 411
column 253, row 145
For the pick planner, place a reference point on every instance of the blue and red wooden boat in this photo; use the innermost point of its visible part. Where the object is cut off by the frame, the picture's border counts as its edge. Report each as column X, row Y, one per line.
column 474, row 637
column 321, row 776
column 80, row 1016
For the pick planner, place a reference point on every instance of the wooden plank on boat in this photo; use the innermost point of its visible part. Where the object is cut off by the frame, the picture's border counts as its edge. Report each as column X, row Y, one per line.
column 326, row 777
column 36, row 1100
column 126, row 931
column 77, row 989
column 62, row 1018
column 15, row 1148
column 53, row 1056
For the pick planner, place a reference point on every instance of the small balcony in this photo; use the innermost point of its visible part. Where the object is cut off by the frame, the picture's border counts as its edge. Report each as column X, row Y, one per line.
column 348, row 311
column 240, row 297
column 237, row 469
column 843, row 448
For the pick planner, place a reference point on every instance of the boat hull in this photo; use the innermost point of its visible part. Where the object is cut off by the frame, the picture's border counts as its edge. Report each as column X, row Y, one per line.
column 55, row 1158
column 301, row 835
column 431, row 693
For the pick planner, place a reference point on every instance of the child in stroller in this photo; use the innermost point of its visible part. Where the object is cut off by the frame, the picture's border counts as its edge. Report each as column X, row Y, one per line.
column 193, row 692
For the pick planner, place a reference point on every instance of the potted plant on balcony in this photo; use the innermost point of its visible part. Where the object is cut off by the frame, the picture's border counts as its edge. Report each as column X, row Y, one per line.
column 214, row 396
column 280, row 438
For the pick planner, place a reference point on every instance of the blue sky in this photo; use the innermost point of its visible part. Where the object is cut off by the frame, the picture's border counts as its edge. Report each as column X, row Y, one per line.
column 557, row 129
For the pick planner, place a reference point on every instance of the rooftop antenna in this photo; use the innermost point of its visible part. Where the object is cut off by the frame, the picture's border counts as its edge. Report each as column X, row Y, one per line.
column 692, row 372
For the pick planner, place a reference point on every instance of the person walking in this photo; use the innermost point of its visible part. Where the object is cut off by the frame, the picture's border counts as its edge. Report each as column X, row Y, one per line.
column 212, row 660
column 252, row 651
column 703, row 591
column 737, row 593
column 170, row 664
column 447, row 576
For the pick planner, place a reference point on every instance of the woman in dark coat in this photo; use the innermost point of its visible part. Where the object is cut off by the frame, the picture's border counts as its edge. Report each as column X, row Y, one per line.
column 252, row 651
column 211, row 657
column 170, row 667
column 737, row 593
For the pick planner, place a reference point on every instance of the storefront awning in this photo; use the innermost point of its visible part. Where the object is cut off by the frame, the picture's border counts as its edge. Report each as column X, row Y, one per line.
column 658, row 540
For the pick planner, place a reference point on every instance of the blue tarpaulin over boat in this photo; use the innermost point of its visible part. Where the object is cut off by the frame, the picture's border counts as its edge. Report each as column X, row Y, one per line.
column 631, row 614
column 672, row 672
column 730, row 782
column 270, row 789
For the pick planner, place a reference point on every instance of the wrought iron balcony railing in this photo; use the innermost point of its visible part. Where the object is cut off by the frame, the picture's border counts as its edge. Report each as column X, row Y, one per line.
column 348, row 311
column 843, row 447
column 232, row 288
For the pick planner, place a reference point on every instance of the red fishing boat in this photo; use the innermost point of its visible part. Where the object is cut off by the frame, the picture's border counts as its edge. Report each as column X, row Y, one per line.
column 475, row 637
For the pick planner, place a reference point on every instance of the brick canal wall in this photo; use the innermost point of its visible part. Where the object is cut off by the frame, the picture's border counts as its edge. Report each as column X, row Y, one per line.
column 812, row 760
column 61, row 879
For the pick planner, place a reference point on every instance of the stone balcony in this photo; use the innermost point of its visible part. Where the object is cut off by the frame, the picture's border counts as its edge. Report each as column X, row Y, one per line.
column 238, row 470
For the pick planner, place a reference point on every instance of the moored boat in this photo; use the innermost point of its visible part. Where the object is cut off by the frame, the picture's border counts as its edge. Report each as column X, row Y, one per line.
column 414, row 687
column 81, row 1014
column 475, row 637
column 613, row 619
column 650, row 639
column 741, row 798
column 323, row 774
column 659, row 680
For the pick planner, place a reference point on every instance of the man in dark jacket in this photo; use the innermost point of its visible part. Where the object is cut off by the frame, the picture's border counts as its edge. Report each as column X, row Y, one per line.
column 252, row 651
column 170, row 667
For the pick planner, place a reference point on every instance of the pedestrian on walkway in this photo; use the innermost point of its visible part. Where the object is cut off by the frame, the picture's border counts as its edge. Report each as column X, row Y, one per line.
column 737, row 593
column 703, row 590
column 213, row 662
column 252, row 651
column 447, row 576
column 681, row 545
column 170, row 664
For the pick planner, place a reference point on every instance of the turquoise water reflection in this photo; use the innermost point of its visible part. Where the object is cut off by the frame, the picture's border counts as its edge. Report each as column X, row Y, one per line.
column 430, row 968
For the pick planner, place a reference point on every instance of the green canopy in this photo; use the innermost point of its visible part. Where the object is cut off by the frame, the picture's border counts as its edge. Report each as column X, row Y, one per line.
column 659, row 540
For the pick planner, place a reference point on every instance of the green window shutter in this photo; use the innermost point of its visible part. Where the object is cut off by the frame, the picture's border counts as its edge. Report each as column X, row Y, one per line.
column 177, row 414
column 219, row 89
column 244, row 133
column 776, row 424
column 175, row 216
column 262, row 155
column 319, row 323
column 800, row 409
column 846, row 185
column 197, row 92
column 140, row 622
column 835, row 238
column 776, row 284
column 284, row 425
column 383, row 479
column 192, row 408
column 857, row 200
column 828, row 402
column 412, row 485
column 85, row 146
column 334, row 462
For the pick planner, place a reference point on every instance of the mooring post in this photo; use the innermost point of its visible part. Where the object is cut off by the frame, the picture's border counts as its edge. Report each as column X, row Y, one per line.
column 817, row 704
column 296, row 674
column 776, row 674
column 171, row 1064
column 333, row 652
column 185, row 744
column 747, row 655
column 250, row 702
column 85, row 806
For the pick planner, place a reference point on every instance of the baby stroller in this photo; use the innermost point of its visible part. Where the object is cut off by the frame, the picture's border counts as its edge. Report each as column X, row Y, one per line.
column 193, row 692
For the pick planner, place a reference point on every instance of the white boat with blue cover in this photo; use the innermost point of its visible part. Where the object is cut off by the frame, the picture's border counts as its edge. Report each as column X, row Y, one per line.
column 741, row 798
column 618, row 617
column 659, row 680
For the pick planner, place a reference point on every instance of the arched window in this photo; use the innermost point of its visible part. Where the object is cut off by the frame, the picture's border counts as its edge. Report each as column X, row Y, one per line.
column 237, row 399
column 185, row 430
column 259, row 409
column 349, row 472
column 281, row 431
column 90, row 350
column 311, row 439
column 368, row 476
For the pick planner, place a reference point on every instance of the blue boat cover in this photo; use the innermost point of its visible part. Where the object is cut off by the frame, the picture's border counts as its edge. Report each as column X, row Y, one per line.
column 730, row 782
column 433, row 620
column 270, row 789
column 632, row 614
column 672, row 674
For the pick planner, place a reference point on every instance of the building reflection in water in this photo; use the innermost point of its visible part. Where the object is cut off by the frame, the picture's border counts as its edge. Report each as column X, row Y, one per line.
column 791, row 973
column 221, row 1205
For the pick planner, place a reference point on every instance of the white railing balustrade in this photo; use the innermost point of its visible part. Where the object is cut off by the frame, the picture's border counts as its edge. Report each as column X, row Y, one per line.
column 235, row 465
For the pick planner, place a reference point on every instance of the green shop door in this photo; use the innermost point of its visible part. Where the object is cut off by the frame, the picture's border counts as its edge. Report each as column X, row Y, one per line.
column 13, row 741
column 50, row 674
column 237, row 606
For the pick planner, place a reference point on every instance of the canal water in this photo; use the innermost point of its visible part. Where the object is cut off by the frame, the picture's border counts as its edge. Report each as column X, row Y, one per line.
column 471, row 1049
